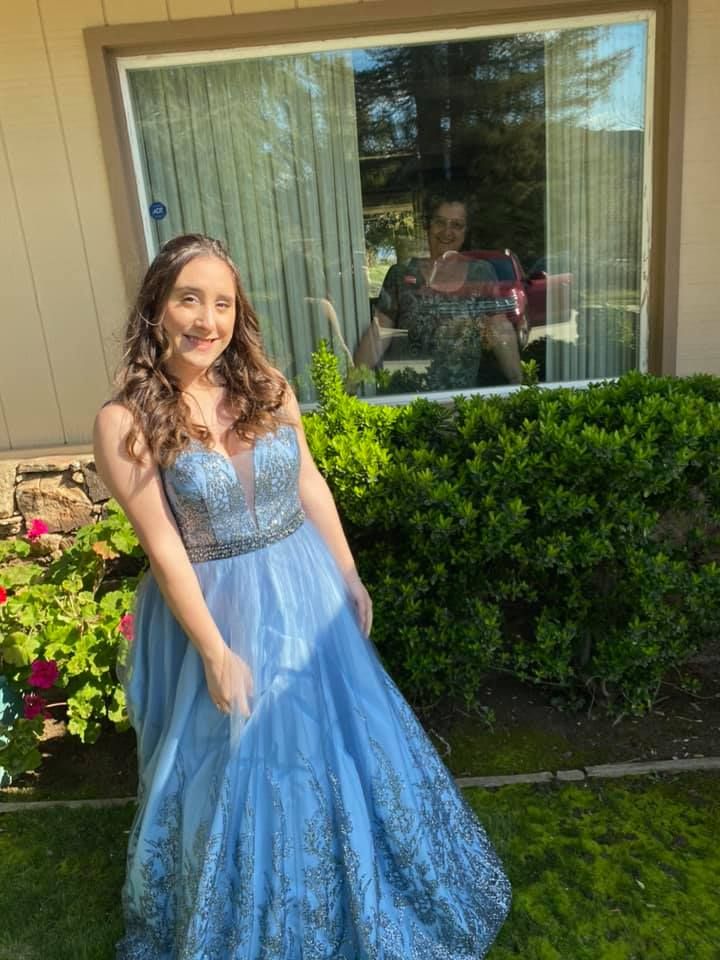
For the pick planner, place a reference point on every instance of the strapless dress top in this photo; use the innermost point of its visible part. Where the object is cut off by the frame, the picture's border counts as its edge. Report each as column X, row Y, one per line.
column 226, row 507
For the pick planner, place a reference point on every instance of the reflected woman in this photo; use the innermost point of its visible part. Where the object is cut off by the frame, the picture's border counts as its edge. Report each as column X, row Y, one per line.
column 447, row 306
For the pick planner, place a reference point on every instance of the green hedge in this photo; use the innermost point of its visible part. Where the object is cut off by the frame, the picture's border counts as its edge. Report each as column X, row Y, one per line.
column 568, row 536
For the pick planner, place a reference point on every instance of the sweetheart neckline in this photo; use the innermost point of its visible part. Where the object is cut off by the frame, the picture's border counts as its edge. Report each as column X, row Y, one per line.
column 264, row 437
column 250, row 502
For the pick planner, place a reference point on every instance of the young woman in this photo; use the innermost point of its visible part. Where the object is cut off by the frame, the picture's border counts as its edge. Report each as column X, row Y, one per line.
column 290, row 805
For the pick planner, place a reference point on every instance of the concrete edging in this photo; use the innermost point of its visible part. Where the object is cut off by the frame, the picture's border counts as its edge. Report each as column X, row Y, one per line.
column 633, row 768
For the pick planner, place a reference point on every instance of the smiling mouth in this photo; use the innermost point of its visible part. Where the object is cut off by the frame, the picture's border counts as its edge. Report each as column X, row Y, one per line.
column 202, row 343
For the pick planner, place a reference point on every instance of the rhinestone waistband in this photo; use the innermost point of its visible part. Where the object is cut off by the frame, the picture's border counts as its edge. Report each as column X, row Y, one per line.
column 254, row 541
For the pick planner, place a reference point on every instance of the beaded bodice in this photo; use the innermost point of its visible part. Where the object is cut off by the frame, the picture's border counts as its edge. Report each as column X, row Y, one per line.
column 224, row 507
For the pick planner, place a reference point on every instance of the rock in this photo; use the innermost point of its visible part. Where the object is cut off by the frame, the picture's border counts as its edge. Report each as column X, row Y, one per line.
column 634, row 768
column 62, row 505
column 96, row 488
column 570, row 775
column 78, row 477
column 504, row 780
column 7, row 489
column 49, row 545
column 10, row 526
column 44, row 465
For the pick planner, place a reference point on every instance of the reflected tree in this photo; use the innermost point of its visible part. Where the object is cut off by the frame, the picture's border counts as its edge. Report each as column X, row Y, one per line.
column 473, row 110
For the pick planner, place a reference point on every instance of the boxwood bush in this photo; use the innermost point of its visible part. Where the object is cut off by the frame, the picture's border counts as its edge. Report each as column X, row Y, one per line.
column 568, row 536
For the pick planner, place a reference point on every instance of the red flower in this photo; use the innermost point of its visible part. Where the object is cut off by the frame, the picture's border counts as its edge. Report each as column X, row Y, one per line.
column 34, row 706
column 126, row 626
column 43, row 674
column 3, row 596
column 37, row 528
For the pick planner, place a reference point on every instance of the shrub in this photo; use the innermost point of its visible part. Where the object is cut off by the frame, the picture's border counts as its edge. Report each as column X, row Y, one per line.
column 67, row 613
column 569, row 536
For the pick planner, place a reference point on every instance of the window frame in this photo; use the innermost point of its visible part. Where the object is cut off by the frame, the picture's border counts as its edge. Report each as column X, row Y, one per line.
column 388, row 21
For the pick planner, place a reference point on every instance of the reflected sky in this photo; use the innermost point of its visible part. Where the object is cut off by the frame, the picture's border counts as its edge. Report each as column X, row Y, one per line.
column 624, row 106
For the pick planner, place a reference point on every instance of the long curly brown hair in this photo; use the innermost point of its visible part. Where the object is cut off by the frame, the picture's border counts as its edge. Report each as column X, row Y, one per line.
column 162, row 418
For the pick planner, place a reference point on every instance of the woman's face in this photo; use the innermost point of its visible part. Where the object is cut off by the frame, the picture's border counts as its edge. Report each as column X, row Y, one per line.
column 447, row 229
column 199, row 316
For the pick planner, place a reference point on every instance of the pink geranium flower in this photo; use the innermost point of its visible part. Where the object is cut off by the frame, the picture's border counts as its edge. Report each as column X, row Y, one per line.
column 3, row 596
column 126, row 626
column 34, row 706
column 43, row 674
column 36, row 529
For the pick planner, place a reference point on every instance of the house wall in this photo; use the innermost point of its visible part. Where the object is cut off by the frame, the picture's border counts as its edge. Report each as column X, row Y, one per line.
column 698, row 345
column 61, row 272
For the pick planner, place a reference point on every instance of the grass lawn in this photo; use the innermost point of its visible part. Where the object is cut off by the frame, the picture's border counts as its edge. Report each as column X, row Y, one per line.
column 615, row 870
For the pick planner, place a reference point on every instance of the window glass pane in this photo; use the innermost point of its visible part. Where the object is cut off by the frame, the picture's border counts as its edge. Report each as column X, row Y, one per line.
column 439, row 212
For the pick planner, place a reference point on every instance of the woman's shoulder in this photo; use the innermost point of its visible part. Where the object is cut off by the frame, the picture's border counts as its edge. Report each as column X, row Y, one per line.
column 114, row 424
column 290, row 414
column 113, row 416
column 404, row 268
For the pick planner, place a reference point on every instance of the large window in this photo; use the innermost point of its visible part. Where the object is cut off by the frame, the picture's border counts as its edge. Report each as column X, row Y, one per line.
column 449, row 214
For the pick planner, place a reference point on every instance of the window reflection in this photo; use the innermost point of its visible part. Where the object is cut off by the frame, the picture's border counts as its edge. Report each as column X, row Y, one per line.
column 439, row 212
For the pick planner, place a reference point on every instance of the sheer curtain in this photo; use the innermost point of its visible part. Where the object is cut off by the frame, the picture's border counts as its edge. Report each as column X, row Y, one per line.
column 594, row 201
column 263, row 154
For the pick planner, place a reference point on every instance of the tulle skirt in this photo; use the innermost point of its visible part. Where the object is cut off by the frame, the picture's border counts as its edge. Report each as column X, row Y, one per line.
column 322, row 827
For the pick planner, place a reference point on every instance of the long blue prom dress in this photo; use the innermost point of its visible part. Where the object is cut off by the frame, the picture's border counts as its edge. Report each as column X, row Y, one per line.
column 322, row 827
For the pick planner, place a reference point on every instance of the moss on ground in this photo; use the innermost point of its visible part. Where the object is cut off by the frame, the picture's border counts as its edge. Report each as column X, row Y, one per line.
column 477, row 752
column 609, row 871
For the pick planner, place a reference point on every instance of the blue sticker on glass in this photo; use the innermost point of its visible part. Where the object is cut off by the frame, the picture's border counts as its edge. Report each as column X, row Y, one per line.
column 158, row 210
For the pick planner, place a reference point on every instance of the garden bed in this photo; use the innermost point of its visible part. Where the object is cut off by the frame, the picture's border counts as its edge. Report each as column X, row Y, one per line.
column 519, row 729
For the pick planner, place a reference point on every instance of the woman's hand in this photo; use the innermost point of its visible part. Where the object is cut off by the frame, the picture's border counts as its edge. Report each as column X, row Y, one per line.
column 229, row 681
column 361, row 600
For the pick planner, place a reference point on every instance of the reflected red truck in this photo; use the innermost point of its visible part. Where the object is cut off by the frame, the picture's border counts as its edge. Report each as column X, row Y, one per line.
column 530, row 293
column 511, row 287
column 549, row 280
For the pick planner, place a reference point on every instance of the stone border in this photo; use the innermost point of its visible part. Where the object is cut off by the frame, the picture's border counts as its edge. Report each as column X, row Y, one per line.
column 633, row 768
column 33, row 805
column 64, row 491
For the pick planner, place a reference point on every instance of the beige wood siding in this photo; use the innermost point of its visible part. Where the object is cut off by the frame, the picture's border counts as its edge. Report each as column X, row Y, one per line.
column 134, row 11
column 698, row 346
column 39, row 113
column 184, row 9
column 27, row 394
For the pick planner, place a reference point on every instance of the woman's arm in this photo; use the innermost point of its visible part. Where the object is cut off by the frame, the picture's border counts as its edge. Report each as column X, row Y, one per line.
column 374, row 343
column 503, row 341
column 138, row 489
column 378, row 336
column 319, row 506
